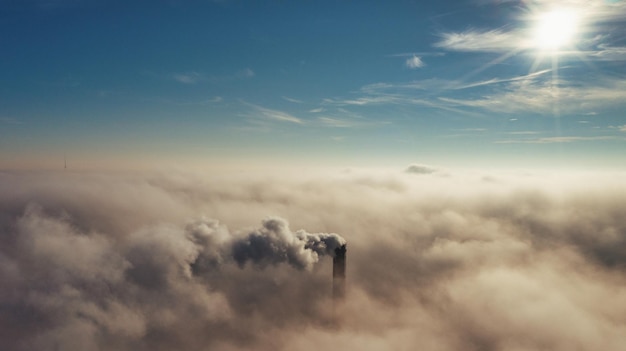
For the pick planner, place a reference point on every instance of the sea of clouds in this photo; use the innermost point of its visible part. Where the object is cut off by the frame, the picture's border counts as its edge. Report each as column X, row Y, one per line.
column 437, row 260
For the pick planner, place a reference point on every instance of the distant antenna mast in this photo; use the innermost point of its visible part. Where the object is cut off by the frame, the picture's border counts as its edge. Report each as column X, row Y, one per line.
column 64, row 161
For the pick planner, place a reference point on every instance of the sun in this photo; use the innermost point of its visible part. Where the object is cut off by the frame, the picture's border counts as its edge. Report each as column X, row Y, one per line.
column 555, row 29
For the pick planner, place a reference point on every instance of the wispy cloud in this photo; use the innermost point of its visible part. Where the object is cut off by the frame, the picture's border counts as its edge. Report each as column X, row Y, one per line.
column 274, row 115
column 414, row 62
column 524, row 132
column 441, row 85
column 561, row 139
column 396, row 99
column 621, row 128
column 495, row 40
column 188, row 77
column 365, row 100
column 295, row 101
column 420, row 54
column 538, row 92
column 458, row 85
column 545, row 97
column 348, row 122
column 213, row 100
column 194, row 77
column 476, row 130
column 246, row 73
column 335, row 118
column 609, row 53
column 594, row 45
column 334, row 122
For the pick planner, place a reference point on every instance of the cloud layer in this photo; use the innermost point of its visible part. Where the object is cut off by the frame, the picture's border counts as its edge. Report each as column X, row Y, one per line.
column 467, row 261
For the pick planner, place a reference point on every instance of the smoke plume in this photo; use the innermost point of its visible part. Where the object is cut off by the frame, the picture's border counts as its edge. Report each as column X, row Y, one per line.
column 274, row 243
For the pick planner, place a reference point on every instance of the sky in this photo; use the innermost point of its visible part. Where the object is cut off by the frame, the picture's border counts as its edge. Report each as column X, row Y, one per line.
column 136, row 84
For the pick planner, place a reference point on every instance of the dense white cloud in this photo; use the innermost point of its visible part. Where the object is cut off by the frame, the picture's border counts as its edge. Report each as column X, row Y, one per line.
column 473, row 260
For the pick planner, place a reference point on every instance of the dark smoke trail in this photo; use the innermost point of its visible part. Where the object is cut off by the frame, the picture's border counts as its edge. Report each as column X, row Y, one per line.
column 275, row 243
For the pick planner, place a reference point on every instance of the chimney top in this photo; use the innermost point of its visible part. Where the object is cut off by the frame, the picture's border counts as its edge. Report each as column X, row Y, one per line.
column 341, row 251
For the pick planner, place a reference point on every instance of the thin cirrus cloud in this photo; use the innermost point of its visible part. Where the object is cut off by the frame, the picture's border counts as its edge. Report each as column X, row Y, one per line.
column 537, row 93
column 399, row 99
column 335, row 122
column 458, row 85
column 348, row 122
column 340, row 118
column 494, row 40
column 194, row 77
column 365, row 100
column 188, row 77
column 274, row 115
column 543, row 97
column 432, row 93
column 246, row 73
column 295, row 101
column 608, row 53
column 438, row 84
column 561, row 139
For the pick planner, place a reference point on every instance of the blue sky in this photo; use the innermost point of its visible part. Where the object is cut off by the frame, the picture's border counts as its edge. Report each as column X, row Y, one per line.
column 486, row 83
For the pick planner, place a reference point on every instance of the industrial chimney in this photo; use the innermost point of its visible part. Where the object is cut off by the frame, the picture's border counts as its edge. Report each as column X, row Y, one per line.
column 339, row 273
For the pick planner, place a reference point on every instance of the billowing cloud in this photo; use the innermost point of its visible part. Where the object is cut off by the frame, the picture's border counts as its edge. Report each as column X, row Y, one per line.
column 475, row 261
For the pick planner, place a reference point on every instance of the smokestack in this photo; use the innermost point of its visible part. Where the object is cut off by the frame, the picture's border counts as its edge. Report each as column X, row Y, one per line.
column 339, row 273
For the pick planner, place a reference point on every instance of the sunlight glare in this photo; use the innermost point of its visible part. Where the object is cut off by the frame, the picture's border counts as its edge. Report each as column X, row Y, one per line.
column 555, row 29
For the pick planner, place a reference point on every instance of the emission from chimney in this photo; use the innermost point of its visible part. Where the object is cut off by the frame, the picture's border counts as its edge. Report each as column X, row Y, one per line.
column 339, row 273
